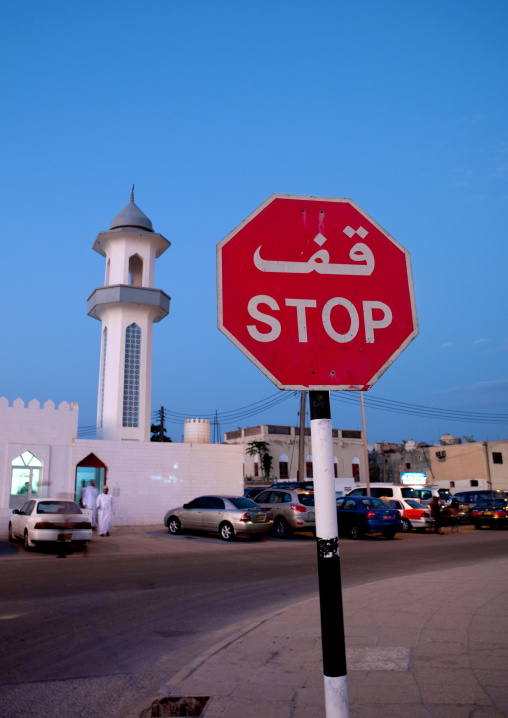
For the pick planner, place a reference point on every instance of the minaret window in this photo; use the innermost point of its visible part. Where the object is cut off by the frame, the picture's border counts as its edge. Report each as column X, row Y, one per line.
column 103, row 374
column 135, row 271
column 131, row 376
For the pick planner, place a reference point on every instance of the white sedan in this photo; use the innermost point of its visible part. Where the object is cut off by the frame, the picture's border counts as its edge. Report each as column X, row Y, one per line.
column 41, row 520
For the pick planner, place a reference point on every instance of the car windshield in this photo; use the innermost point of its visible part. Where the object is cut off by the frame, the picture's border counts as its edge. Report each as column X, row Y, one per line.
column 413, row 503
column 495, row 503
column 243, row 503
column 58, row 507
column 372, row 503
column 306, row 499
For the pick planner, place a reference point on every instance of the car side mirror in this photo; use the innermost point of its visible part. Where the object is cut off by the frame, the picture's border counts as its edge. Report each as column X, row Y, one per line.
column 16, row 511
column 186, row 506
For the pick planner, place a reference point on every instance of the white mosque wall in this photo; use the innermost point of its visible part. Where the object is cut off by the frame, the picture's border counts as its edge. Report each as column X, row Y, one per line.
column 48, row 433
column 145, row 478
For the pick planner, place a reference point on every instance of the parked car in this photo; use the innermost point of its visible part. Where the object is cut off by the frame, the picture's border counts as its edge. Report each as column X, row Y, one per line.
column 425, row 494
column 227, row 515
column 385, row 491
column 253, row 491
column 358, row 515
column 292, row 510
column 467, row 500
column 490, row 512
column 48, row 520
column 414, row 515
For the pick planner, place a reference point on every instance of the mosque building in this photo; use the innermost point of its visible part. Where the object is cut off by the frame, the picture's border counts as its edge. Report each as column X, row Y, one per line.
column 40, row 453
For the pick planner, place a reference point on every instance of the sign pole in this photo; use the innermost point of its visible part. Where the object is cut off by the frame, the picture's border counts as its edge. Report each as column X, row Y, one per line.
column 330, row 589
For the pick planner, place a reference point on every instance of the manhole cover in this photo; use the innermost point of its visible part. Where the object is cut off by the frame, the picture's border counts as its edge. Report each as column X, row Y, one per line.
column 178, row 706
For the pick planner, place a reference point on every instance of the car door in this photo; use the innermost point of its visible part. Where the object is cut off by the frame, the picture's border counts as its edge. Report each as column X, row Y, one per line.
column 192, row 514
column 345, row 514
column 19, row 519
column 212, row 512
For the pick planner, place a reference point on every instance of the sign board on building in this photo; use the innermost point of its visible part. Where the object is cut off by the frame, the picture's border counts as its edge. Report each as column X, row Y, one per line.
column 413, row 478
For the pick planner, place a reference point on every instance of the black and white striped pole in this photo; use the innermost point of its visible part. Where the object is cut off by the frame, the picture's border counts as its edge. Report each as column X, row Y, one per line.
column 330, row 589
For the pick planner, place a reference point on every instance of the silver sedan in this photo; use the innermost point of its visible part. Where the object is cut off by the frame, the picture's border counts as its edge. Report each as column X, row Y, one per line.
column 227, row 515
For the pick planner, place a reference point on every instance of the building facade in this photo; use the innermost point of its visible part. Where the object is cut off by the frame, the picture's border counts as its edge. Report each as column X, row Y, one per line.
column 450, row 464
column 283, row 446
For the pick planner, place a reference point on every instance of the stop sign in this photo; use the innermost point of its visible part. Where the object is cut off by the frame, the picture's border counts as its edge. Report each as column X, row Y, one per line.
column 315, row 293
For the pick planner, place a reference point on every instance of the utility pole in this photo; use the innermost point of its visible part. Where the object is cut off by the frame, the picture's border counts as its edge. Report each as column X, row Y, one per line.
column 301, row 446
column 489, row 477
column 161, row 433
column 365, row 448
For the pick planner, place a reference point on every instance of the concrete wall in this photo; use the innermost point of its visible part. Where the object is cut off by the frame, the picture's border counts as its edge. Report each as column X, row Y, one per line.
column 145, row 478
column 148, row 478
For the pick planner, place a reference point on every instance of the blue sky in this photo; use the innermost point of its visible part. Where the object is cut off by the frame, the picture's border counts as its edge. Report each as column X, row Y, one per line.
column 209, row 108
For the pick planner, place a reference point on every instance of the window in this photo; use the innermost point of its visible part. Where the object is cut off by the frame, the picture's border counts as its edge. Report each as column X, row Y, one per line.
column 335, row 467
column 135, row 271
column 497, row 457
column 309, row 469
column 26, row 474
column 474, row 482
column 283, row 466
column 103, row 373
column 131, row 376
column 256, row 465
column 356, row 468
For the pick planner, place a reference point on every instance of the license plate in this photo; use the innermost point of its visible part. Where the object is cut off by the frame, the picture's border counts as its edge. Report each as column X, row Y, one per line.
column 387, row 517
column 487, row 513
column 65, row 537
column 312, row 515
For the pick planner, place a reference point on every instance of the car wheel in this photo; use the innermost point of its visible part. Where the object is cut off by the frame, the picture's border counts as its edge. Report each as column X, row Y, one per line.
column 478, row 526
column 355, row 531
column 282, row 528
column 11, row 535
column 174, row 526
column 26, row 542
column 406, row 525
column 227, row 532
column 390, row 534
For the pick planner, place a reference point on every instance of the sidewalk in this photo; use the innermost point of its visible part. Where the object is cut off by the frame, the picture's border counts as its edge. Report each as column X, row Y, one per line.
column 432, row 645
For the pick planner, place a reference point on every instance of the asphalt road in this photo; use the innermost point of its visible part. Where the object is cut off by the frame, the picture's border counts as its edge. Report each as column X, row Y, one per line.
column 100, row 631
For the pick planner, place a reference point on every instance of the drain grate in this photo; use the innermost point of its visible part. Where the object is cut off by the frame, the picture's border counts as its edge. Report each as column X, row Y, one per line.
column 179, row 706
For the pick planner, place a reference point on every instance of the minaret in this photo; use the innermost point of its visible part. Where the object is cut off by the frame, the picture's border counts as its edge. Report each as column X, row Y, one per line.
column 127, row 305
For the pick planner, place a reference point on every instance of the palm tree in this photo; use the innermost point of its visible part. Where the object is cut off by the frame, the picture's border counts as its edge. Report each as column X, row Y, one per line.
column 261, row 448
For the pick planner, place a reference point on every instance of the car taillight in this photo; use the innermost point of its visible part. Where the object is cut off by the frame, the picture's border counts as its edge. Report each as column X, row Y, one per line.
column 371, row 514
column 476, row 513
column 301, row 509
column 246, row 517
column 45, row 525
column 81, row 525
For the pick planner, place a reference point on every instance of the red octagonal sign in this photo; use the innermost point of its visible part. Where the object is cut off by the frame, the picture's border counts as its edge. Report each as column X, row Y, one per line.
column 315, row 293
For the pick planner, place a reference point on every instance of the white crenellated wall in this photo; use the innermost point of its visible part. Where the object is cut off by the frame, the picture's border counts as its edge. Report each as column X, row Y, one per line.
column 145, row 478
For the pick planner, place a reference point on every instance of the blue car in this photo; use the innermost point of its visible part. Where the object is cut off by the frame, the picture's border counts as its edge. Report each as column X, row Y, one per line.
column 359, row 515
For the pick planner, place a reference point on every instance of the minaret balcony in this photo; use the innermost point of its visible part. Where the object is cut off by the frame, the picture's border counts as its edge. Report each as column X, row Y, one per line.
column 125, row 294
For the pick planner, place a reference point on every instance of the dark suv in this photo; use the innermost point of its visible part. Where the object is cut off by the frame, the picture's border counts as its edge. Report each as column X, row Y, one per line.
column 468, row 500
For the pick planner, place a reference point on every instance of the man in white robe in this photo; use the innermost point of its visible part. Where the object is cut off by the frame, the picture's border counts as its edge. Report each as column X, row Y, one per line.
column 105, row 509
column 89, row 500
